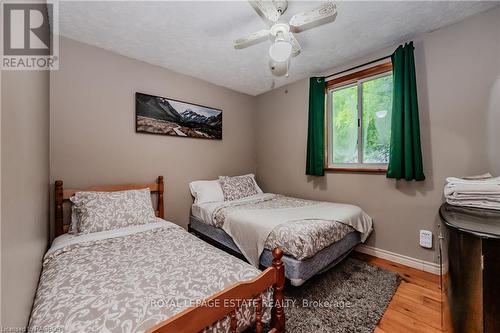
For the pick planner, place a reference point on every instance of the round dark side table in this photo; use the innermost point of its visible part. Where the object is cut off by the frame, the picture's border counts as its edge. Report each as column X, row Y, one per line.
column 473, row 281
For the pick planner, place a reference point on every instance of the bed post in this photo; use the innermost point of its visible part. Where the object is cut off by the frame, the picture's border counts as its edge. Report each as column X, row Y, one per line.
column 161, row 211
column 278, row 314
column 59, row 228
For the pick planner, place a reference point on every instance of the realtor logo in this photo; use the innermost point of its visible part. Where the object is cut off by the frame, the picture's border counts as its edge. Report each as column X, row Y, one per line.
column 28, row 41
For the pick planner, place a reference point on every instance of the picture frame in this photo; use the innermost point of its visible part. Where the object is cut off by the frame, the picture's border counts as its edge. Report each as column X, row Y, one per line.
column 168, row 116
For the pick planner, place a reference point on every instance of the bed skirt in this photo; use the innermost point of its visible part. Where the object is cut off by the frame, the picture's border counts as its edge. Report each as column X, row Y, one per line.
column 297, row 271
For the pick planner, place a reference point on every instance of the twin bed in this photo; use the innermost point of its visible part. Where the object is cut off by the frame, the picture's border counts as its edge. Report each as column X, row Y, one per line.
column 313, row 235
column 146, row 275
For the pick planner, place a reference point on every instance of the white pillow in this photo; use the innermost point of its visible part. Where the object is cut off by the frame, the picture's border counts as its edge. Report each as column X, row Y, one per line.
column 206, row 191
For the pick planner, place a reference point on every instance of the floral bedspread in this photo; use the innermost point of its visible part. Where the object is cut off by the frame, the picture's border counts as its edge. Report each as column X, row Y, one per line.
column 132, row 282
column 300, row 239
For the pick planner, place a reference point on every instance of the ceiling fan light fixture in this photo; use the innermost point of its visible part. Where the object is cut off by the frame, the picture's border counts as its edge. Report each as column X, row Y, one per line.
column 280, row 51
column 284, row 45
column 279, row 68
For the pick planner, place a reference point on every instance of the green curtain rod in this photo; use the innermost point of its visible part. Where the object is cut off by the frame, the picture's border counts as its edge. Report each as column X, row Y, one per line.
column 367, row 63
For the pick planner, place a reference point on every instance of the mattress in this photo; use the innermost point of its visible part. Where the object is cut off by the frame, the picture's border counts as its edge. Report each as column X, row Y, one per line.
column 301, row 239
column 297, row 271
column 132, row 278
column 196, row 211
column 204, row 211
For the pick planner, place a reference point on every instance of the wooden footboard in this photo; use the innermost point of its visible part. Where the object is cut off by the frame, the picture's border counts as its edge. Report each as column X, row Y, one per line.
column 227, row 302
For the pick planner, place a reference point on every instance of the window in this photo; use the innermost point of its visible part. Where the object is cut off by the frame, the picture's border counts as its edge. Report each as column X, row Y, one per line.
column 359, row 119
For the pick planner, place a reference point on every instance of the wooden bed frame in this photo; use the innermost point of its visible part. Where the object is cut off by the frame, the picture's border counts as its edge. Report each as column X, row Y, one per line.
column 62, row 195
column 226, row 302
column 216, row 307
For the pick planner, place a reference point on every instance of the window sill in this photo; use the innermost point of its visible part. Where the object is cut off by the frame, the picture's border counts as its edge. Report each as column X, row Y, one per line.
column 354, row 169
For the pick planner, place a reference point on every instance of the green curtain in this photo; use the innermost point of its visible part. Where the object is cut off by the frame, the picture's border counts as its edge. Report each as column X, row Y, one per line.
column 405, row 156
column 316, row 128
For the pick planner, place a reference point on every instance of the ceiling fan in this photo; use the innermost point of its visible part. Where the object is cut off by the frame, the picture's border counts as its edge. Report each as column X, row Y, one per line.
column 284, row 44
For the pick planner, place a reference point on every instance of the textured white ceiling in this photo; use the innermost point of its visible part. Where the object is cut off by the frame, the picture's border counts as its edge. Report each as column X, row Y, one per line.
column 195, row 38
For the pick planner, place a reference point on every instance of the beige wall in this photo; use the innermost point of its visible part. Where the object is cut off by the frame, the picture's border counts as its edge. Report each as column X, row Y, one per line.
column 1, row 294
column 494, row 131
column 25, row 177
column 93, row 139
column 456, row 68
column 494, row 112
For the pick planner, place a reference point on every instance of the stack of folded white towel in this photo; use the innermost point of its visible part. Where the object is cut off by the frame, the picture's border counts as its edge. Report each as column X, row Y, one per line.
column 481, row 191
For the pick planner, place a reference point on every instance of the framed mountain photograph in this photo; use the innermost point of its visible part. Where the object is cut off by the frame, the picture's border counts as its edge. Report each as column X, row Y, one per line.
column 160, row 115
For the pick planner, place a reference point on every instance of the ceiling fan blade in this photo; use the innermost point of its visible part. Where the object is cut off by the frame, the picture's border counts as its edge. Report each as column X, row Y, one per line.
column 266, row 10
column 295, row 45
column 313, row 18
column 251, row 39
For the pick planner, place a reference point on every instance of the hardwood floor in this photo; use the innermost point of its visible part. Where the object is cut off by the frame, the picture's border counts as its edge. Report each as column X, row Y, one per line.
column 416, row 307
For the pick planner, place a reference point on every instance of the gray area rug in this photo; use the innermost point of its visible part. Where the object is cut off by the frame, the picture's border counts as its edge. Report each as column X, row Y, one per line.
column 351, row 297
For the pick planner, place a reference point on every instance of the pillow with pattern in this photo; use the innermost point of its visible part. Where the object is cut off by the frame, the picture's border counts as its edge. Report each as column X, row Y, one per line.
column 101, row 211
column 73, row 226
column 238, row 187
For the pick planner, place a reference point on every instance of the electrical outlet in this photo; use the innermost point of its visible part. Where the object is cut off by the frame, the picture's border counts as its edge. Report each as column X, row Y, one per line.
column 426, row 239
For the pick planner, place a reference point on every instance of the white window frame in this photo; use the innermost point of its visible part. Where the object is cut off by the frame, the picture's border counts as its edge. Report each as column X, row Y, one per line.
column 360, row 166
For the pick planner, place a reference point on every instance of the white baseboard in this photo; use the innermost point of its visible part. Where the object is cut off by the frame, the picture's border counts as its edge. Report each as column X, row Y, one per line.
column 422, row 265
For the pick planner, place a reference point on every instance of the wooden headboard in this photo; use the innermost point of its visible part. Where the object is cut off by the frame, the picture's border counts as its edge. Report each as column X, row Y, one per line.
column 62, row 195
